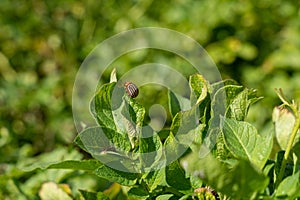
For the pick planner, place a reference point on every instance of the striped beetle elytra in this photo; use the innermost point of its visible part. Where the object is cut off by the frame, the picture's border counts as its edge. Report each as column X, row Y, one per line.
column 131, row 89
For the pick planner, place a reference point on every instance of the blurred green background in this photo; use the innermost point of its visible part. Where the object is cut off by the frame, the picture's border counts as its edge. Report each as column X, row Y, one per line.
column 42, row 44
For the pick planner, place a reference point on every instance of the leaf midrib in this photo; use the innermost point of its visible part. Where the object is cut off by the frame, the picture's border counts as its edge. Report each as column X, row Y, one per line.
column 232, row 129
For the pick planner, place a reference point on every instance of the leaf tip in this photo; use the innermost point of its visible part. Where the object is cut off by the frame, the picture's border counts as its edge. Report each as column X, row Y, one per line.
column 113, row 76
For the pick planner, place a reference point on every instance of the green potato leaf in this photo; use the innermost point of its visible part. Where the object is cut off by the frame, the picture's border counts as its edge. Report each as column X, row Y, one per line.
column 235, row 181
column 243, row 141
column 101, row 106
column 155, row 178
column 99, row 139
column 175, row 175
column 289, row 188
column 137, row 193
column 150, row 149
column 107, row 146
column 86, row 195
column 174, row 105
column 199, row 87
column 166, row 197
column 113, row 175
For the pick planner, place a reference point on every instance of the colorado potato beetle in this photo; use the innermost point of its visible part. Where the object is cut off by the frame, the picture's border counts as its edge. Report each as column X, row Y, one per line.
column 131, row 89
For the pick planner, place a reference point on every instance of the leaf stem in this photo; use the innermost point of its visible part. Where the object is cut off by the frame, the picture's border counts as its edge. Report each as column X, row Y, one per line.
column 293, row 107
column 282, row 97
column 145, row 186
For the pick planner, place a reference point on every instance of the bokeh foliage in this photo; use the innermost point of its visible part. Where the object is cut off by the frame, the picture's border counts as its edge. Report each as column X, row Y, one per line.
column 42, row 44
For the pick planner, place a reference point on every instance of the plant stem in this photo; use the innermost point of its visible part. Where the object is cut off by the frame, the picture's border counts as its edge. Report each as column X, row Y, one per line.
column 290, row 143
column 144, row 185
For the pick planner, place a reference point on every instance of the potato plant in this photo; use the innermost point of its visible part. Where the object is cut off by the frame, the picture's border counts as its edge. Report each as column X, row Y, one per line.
column 216, row 156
